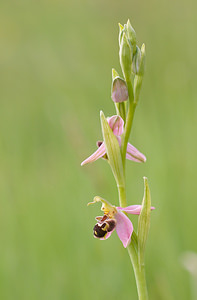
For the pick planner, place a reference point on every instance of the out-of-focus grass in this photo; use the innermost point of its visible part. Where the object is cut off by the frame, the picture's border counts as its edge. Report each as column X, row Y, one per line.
column 55, row 76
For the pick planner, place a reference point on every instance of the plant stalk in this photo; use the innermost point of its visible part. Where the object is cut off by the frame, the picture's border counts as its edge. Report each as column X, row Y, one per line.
column 129, row 120
column 139, row 271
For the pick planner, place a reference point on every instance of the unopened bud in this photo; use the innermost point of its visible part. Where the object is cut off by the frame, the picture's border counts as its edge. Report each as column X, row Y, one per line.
column 142, row 62
column 119, row 91
column 136, row 61
column 125, row 54
column 131, row 35
column 139, row 75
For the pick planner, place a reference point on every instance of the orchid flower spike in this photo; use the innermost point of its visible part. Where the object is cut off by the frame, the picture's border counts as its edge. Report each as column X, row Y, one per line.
column 115, row 219
column 116, row 124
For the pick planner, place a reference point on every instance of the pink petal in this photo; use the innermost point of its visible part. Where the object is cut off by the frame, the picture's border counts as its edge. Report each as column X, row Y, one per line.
column 124, row 228
column 133, row 209
column 96, row 155
column 116, row 124
column 134, row 154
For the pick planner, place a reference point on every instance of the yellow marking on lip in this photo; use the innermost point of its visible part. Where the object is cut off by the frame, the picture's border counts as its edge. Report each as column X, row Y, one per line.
column 106, row 227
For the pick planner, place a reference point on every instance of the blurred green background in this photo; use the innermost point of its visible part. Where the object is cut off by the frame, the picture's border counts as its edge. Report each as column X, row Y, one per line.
column 55, row 76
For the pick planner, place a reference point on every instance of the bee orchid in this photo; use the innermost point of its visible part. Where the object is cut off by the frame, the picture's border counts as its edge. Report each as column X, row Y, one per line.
column 116, row 124
column 115, row 219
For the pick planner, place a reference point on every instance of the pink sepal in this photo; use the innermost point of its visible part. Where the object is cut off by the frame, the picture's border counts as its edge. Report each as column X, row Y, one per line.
column 124, row 228
column 134, row 154
column 133, row 209
column 96, row 155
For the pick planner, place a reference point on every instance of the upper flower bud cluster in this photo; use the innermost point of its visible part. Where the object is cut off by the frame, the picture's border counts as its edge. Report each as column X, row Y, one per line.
column 131, row 56
column 130, row 35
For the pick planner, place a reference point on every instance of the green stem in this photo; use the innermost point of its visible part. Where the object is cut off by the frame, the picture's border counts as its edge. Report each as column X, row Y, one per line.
column 133, row 253
column 122, row 196
column 129, row 121
column 133, row 246
column 139, row 272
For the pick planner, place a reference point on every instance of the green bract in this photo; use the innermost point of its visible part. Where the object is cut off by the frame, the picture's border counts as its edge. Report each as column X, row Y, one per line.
column 144, row 223
column 113, row 150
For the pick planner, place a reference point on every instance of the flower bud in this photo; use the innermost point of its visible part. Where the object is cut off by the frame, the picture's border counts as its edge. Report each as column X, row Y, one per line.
column 125, row 55
column 131, row 35
column 139, row 73
column 119, row 92
column 142, row 61
column 138, row 64
column 136, row 61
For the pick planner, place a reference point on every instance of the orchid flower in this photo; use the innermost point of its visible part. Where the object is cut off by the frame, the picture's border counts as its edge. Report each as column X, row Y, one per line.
column 116, row 124
column 115, row 219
